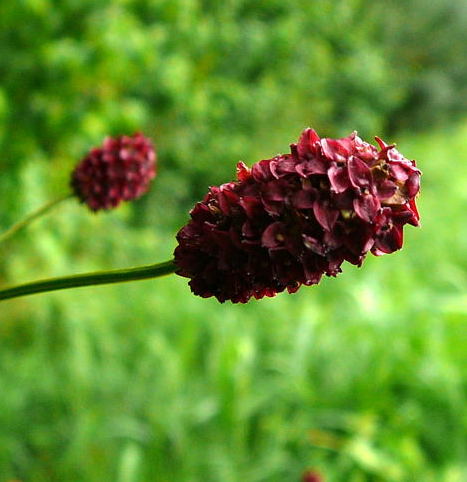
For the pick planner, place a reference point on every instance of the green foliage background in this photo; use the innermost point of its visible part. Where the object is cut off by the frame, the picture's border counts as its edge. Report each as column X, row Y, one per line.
column 363, row 377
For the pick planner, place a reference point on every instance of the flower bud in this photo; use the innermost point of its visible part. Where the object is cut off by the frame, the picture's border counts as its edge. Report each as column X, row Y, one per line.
column 120, row 170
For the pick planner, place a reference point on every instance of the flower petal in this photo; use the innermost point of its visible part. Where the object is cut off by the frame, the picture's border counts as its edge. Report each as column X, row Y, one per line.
column 359, row 173
column 338, row 178
column 304, row 199
column 386, row 189
column 366, row 207
column 412, row 185
column 338, row 149
column 243, row 172
column 261, row 171
column 314, row 245
column 314, row 165
column 273, row 236
column 389, row 241
column 325, row 215
column 306, row 143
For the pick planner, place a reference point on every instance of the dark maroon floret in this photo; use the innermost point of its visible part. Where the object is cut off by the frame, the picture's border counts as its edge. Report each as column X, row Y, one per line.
column 120, row 170
column 290, row 220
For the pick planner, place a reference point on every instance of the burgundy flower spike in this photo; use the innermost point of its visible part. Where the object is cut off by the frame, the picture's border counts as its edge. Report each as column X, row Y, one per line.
column 120, row 170
column 289, row 220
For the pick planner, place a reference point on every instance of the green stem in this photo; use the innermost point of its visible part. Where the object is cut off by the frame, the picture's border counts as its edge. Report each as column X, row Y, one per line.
column 89, row 279
column 31, row 217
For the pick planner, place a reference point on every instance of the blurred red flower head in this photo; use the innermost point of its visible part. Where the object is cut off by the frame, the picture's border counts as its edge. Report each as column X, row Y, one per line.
column 120, row 170
column 290, row 219
column 312, row 476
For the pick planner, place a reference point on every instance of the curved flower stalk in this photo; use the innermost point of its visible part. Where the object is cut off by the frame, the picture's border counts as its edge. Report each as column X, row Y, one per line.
column 291, row 219
column 88, row 279
column 11, row 231
column 119, row 170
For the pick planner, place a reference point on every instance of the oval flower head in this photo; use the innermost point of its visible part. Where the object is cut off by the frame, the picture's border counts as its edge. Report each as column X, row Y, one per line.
column 120, row 170
column 290, row 219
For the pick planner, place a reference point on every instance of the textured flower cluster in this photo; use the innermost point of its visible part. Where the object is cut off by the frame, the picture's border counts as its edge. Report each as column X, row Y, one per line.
column 120, row 170
column 289, row 220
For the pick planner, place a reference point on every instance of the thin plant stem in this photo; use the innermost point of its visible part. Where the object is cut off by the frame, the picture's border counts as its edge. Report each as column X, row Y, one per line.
column 32, row 217
column 89, row 279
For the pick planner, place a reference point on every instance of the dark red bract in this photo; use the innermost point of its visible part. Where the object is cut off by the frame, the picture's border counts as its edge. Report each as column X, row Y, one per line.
column 120, row 170
column 289, row 220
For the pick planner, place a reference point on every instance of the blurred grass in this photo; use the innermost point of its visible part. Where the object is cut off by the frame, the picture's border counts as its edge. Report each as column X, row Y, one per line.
column 363, row 377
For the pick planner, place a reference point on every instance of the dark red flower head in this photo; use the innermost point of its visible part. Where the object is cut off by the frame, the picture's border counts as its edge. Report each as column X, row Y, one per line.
column 289, row 220
column 312, row 476
column 120, row 170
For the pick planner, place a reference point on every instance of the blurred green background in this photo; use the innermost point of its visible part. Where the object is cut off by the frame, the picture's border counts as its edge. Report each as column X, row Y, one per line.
column 363, row 377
